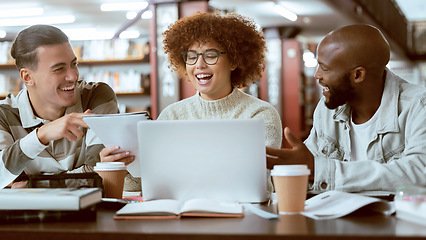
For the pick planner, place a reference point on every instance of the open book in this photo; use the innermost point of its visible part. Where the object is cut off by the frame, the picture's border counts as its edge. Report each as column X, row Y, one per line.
column 335, row 204
column 170, row 209
column 119, row 130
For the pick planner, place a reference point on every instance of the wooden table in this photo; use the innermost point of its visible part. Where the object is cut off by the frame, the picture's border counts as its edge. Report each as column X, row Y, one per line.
column 370, row 226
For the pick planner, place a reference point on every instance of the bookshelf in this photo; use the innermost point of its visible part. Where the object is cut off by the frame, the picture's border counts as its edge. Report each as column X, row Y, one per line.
column 122, row 64
column 126, row 77
column 10, row 81
column 106, row 62
column 7, row 66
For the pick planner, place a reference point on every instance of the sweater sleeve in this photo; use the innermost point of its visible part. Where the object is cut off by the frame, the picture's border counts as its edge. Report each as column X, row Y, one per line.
column 273, row 126
column 99, row 97
column 165, row 114
column 273, row 129
column 175, row 111
column 16, row 155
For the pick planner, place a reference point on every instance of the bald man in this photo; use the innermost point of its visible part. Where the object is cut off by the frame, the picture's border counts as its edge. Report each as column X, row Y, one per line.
column 369, row 130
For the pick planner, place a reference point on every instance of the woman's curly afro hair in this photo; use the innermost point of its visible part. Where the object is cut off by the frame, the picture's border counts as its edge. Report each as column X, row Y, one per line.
column 237, row 35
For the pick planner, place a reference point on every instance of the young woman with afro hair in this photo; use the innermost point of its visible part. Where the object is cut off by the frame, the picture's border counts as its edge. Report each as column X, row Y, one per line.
column 218, row 54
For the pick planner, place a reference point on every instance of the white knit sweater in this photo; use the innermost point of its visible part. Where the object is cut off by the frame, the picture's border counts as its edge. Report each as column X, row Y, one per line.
column 236, row 105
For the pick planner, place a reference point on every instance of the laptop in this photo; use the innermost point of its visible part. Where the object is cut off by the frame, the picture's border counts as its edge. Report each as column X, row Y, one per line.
column 216, row 159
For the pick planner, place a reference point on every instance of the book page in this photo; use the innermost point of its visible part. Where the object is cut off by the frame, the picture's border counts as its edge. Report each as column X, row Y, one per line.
column 335, row 204
column 200, row 205
column 163, row 207
column 119, row 130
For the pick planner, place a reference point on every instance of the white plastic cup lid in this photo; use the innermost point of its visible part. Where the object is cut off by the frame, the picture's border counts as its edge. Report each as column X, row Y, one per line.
column 110, row 166
column 290, row 170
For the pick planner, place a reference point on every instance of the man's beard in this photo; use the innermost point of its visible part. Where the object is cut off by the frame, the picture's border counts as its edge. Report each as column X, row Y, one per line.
column 340, row 94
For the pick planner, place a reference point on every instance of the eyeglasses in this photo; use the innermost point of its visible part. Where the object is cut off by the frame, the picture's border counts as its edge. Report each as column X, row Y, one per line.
column 210, row 57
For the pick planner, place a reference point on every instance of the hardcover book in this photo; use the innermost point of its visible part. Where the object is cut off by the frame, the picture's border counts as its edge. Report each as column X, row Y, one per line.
column 28, row 216
column 60, row 199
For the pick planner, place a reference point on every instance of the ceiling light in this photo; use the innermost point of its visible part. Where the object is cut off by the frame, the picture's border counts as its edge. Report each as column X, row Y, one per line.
column 2, row 34
column 79, row 34
column 22, row 12
column 147, row 15
column 131, row 15
column 307, row 20
column 123, row 6
column 309, row 59
column 285, row 12
column 129, row 34
column 7, row 22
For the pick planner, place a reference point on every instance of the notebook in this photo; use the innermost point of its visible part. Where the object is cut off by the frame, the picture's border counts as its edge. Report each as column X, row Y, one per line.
column 119, row 130
column 216, row 159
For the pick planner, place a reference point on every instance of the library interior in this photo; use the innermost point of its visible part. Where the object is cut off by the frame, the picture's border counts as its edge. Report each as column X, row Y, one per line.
column 114, row 46
column 121, row 43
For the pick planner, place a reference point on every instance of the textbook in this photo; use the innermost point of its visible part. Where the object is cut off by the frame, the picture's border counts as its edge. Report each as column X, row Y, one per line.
column 335, row 204
column 119, row 130
column 55, row 199
column 173, row 209
column 28, row 216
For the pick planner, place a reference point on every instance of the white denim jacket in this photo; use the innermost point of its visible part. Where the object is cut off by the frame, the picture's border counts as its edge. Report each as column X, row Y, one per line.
column 396, row 151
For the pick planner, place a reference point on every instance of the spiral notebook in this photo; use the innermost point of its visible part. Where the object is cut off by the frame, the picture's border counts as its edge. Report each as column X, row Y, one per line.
column 215, row 159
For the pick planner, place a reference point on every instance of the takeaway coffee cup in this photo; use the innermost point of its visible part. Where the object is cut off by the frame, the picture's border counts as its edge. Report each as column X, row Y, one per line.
column 291, row 184
column 112, row 174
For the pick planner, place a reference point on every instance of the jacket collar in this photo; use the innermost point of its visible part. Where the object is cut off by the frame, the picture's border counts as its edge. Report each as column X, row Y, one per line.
column 26, row 113
column 388, row 115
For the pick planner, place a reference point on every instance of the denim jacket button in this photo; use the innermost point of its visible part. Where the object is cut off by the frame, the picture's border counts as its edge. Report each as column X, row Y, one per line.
column 323, row 185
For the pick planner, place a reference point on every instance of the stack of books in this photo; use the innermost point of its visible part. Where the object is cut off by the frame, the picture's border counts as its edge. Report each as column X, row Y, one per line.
column 48, row 204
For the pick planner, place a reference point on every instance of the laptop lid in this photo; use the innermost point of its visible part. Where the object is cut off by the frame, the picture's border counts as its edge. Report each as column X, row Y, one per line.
column 216, row 159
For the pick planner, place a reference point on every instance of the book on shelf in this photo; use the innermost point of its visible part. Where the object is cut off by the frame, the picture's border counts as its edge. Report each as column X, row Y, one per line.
column 117, row 49
column 336, row 204
column 174, row 209
column 5, row 57
column 119, row 130
column 129, row 81
column 49, row 199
